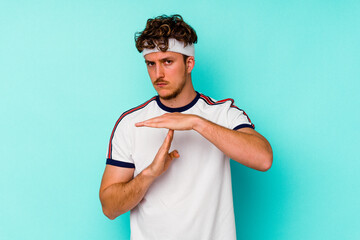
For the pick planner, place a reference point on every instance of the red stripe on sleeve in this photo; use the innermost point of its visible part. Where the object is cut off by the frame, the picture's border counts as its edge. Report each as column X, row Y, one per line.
column 120, row 118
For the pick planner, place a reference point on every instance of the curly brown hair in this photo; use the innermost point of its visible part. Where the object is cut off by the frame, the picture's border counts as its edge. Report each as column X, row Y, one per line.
column 158, row 30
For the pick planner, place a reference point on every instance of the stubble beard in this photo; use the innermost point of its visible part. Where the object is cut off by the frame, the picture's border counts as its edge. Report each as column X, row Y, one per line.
column 176, row 92
column 173, row 94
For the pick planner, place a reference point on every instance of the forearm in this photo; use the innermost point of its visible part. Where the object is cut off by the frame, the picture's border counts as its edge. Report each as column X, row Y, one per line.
column 121, row 197
column 246, row 147
column 251, row 150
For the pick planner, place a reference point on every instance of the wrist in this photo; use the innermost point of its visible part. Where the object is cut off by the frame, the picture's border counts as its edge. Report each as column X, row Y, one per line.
column 198, row 123
column 148, row 174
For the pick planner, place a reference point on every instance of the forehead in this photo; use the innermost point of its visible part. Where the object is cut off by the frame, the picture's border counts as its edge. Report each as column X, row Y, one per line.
column 161, row 55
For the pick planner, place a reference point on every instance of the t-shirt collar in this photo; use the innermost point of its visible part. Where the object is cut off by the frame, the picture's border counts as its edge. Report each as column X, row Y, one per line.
column 179, row 109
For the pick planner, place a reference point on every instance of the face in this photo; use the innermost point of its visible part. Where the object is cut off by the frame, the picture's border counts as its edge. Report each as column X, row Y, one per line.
column 168, row 73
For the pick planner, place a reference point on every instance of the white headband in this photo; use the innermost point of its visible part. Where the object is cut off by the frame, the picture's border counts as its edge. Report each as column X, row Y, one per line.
column 174, row 46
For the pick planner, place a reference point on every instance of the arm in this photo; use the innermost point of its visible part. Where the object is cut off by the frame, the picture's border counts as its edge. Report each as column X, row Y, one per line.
column 120, row 192
column 245, row 146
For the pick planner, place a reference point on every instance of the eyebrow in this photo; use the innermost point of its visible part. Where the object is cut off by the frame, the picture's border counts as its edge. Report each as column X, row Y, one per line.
column 166, row 58
column 161, row 60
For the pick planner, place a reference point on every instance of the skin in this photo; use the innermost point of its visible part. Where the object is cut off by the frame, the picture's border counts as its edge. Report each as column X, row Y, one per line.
column 168, row 74
column 171, row 78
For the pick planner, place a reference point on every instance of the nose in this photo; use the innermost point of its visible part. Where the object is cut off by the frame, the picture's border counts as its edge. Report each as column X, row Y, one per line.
column 159, row 71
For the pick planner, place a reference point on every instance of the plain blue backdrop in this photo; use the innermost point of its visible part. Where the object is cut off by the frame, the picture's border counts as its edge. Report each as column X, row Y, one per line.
column 68, row 69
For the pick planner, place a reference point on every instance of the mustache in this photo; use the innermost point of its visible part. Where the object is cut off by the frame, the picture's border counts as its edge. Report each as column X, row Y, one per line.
column 160, row 80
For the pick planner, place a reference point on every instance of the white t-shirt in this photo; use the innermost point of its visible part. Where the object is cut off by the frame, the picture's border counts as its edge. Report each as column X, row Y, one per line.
column 193, row 198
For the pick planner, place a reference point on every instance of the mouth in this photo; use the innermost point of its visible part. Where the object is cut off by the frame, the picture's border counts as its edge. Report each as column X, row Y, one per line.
column 160, row 84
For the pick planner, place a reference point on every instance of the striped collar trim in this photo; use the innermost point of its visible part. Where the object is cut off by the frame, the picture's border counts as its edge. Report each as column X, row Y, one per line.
column 180, row 109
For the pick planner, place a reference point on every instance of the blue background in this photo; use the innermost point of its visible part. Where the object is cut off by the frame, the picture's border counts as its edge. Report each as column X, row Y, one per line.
column 68, row 69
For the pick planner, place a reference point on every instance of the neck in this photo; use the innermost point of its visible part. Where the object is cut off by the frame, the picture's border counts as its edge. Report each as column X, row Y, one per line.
column 185, row 97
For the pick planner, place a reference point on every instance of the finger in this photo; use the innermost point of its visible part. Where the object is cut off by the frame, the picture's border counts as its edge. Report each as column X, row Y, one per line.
column 139, row 124
column 153, row 122
column 149, row 124
column 174, row 154
column 165, row 146
column 168, row 140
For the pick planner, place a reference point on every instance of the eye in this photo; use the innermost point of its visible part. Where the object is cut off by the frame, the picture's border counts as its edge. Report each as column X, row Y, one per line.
column 149, row 64
column 168, row 62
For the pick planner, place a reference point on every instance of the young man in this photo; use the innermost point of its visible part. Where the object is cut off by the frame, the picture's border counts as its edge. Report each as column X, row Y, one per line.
column 168, row 159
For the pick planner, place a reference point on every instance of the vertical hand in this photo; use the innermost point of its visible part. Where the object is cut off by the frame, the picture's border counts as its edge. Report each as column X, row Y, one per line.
column 163, row 158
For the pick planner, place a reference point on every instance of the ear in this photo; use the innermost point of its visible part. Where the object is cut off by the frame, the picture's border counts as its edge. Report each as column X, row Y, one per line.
column 190, row 63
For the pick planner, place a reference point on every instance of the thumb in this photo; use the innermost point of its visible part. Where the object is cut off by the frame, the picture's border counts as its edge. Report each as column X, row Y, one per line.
column 174, row 154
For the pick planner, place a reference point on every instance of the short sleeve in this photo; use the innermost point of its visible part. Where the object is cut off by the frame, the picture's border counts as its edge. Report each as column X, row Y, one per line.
column 119, row 149
column 237, row 118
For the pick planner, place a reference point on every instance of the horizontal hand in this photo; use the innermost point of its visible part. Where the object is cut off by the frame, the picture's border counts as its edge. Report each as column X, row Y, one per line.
column 174, row 121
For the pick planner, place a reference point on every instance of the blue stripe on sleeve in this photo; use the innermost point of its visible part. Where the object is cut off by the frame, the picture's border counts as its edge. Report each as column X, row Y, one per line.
column 119, row 163
column 243, row 126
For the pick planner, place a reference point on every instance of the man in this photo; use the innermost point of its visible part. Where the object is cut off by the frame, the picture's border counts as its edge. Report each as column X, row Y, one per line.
column 184, row 193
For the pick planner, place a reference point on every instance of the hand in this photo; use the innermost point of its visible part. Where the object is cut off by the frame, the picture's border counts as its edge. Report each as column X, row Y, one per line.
column 163, row 158
column 174, row 121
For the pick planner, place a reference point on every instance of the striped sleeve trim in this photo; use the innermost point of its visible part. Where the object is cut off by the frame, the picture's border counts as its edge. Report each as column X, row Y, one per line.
column 209, row 101
column 119, row 120
column 119, row 163
column 243, row 126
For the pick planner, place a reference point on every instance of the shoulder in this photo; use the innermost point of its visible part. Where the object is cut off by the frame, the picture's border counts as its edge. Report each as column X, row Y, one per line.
column 135, row 112
column 226, row 103
column 226, row 108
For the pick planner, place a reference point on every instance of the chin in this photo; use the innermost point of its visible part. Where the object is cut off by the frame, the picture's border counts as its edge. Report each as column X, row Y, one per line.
column 168, row 95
